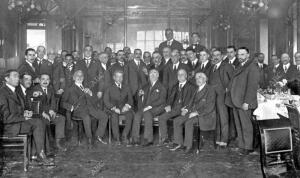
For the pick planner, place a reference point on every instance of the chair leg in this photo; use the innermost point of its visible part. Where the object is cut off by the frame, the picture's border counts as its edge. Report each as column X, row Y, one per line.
column 25, row 153
column 109, row 130
column 198, row 139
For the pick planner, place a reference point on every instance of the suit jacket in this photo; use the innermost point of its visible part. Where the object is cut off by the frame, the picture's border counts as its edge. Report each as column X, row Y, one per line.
column 25, row 98
column 291, row 73
column 135, row 77
column 175, row 45
column 26, row 68
column 170, row 75
column 12, row 111
column 68, row 73
column 272, row 73
column 206, row 69
column 91, row 73
column 116, row 66
column 165, row 63
column 155, row 97
column 58, row 76
column 203, row 102
column 197, row 48
column 192, row 69
column 75, row 97
column 45, row 67
column 220, row 79
column 116, row 97
column 179, row 99
column 243, row 86
column 263, row 76
column 235, row 63
column 104, row 78
column 47, row 101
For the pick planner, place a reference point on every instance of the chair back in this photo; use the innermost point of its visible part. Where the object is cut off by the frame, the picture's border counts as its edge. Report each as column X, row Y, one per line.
column 294, row 116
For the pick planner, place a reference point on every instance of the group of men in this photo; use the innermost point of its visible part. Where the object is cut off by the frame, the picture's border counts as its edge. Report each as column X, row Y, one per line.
column 188, row 86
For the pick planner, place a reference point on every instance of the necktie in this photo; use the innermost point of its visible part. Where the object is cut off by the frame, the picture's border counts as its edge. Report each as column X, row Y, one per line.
column 119, row 85
column 45, row 91
column 174, row 67
column 285, row 69
column 180, row 87
column 202, row 66
column 81, row 87
column 87, row 62
column 169, row 43
column 215, row 68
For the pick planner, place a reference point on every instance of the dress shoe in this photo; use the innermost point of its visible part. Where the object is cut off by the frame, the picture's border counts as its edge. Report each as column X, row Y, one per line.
column 177, row 148
column 148, row 144
column 118, row 142
column 101, row 140
column 89, row 144
column 188, row 150
column 59, row 147
column 44, row 160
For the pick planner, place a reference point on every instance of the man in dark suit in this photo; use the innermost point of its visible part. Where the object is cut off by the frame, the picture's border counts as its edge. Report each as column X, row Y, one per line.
column 196, row 43
column 135, row 75
column 219, row 78
column 170, row 71
column 242, row 97
column 48, row 108
column 24, row 88
column 193, row 63
column 272, row 70
column 27, row 65
column 287, row 70
column 41, row 64
column 201, row 110
column 77, row 99
column 262, row 71
column 118, row 101
column 297, row 61
column 120, row 64
column 231, row 57
column 171, row 42
column 15, row 120
column 147, row 59
column 179, row 96
column 58, row 75
column 68, row 71
column 154, row 100
column 166, row 56
column 158, row 65
column 205, row 65
column 183, row 57
column 90, row 69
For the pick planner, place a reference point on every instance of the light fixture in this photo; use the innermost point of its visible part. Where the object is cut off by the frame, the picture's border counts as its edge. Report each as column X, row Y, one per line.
column 22, row 5
column 253, row 6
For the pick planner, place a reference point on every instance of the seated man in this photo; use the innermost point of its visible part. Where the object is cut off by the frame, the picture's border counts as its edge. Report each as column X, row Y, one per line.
column 77, row 99
column 153, row 102
column 201, row 110
column 118, row 100
column 180, row 95
column 15, row 120
column 45, row 94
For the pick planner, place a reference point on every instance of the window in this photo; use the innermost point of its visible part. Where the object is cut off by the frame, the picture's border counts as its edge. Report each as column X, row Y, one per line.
column 149, row 40
column 36, row 34
column 115, row 46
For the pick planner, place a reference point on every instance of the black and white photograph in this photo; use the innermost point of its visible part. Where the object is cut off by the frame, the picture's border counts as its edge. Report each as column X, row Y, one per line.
column 150, row 88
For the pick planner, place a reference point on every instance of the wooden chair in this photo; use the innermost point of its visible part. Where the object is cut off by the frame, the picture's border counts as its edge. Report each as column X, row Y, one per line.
column 17, row 143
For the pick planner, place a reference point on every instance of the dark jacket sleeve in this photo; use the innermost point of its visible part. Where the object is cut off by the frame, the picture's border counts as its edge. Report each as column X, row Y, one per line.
column 106, row 99
column 208, row 106
column 252, row 87
column 129, row 97
column 162, row 98
column 7, row 116
column 65, row 100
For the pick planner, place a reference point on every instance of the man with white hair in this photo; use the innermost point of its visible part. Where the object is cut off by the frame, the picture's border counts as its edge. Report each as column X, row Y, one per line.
column 287, row 70
column 201, row 110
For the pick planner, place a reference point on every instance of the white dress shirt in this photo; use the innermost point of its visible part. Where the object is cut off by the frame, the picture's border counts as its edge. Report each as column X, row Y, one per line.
column 12, row 88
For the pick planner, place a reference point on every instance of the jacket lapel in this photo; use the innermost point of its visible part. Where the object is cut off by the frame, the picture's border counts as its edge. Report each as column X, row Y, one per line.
column 14, row 96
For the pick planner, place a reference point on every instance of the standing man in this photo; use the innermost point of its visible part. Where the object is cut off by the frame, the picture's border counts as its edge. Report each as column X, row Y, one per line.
column 219, row 78
column 194, row 62
column 272, row 69
column 147, row 59
column 231, row 57
column 120, row 64
column 205, row 65
column 262, row 70
column 178, row 98
column 28, row 67
column 135, row 76
column 166, row 53
column 286, row 68
column 196, row 43
column 171, row 42
column 104, row 75
column 154, row 99
column 158, row 65
column 118, row 101
column 41, row 64
column 170, row 71
column 242, row 93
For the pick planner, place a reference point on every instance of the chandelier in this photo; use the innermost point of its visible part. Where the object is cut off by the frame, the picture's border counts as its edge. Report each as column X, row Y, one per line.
column 23, row 5
column 254, row 5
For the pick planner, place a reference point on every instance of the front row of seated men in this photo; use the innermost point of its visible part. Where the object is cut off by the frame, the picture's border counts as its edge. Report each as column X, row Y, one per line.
column 187, row 103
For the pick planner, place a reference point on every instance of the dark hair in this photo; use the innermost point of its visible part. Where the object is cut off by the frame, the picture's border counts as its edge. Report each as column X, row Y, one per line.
column 69, row 55
column 89, row 46
column 146, row 53
column 137, row 49
column 120, row 51
column 8, row 72
column 169, row 29
column 218, row 49
column 23, row 75
column 231, row 47
column 118, row 71
column 190, row 49
column 244, row 48
column 45, row 74
column 64, row 51
column 107, row 48
column 29, row 49
column 274, row 55
column 195, row 33
column 156, row 52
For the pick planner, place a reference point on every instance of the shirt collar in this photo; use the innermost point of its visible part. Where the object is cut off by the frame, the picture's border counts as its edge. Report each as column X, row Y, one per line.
column 103, row 65
column 232, row 60
column 243, row 63
column 153, row 83
column 287, row 65
column 195, row 61
column 29, row 63
column 218, row 64
column 88, row 58
column 276, row 65
column 185, row 62
column 201, row 87
column 171, row 41
column 137, row 61
column 118, row 84
column 177, row 64
column 182, row 83
column 78, row 84
column 205, row 63
column 12, row 88
column 23, row 89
